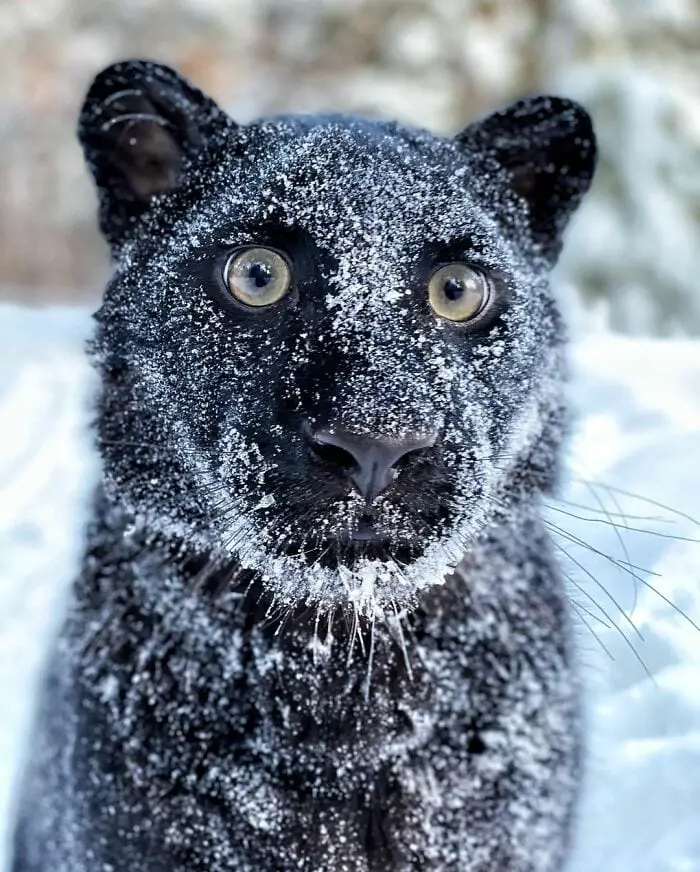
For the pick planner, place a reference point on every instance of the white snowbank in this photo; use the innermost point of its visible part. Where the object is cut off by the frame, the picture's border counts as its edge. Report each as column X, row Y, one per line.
column 639, row 431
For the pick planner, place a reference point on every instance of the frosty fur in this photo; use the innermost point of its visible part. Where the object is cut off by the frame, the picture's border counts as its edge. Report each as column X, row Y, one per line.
column 237, row 686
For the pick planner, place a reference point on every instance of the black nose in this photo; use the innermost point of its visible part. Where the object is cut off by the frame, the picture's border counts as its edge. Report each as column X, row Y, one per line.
column 370, row 463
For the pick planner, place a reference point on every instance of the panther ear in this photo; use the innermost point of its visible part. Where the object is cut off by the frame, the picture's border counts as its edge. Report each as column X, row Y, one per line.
column 142, row 127
column 547, row 148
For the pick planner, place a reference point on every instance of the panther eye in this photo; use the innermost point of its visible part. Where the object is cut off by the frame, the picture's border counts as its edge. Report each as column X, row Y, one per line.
column 458, row 292
column 258, row 276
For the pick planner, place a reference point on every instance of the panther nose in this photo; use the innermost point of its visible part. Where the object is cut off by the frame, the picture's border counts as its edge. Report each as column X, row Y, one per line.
column 371, row 464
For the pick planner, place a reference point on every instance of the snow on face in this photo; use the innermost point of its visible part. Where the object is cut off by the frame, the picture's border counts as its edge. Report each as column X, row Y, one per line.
column 207, row 404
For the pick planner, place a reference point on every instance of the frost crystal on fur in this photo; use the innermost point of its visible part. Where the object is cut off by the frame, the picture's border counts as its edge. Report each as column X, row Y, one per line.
column 242, row 683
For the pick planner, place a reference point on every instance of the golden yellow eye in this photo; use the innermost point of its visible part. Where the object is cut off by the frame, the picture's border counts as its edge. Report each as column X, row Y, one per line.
column 458, row 292
column 258, row 276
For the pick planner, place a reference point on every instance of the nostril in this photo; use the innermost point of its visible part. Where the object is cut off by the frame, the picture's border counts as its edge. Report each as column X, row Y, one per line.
column 408, row 456
column 369, row 463
column 333, row 454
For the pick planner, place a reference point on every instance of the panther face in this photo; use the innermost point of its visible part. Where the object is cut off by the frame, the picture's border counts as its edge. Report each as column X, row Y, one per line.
column 328, row 348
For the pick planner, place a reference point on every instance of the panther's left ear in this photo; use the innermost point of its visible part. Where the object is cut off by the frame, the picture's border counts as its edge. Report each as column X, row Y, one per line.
column 547, row 148
column 144, row 129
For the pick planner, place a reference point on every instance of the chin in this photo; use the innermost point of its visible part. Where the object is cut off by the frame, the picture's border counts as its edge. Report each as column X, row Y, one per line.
column 366, row 572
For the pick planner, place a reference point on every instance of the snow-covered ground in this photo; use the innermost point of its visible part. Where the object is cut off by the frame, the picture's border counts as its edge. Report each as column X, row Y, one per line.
column 639, row 432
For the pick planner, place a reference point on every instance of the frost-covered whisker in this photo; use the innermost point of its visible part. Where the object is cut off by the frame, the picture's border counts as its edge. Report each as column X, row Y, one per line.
column 589, row 574
column 582, row 613
column 623, row 614
column 370, row 659
column 630, row 569
column 652, row 519
column 592, row 510
column 613, row 490
column 395, row 620
column 132, row 118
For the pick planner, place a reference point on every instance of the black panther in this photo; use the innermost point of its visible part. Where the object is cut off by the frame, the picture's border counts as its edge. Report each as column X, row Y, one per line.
column 319, row 624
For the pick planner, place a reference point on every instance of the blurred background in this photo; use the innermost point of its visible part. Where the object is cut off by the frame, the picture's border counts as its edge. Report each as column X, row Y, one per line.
column 632, row 261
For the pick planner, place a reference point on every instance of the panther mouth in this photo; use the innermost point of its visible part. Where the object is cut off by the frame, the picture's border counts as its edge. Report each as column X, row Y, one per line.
column 366, row 540
column 366, row 531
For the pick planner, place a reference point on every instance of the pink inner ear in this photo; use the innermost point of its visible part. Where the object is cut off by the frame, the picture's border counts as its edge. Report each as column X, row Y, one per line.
column 149, row 158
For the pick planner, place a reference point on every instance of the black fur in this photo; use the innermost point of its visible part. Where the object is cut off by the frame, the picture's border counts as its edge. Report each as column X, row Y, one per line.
column 242, row 683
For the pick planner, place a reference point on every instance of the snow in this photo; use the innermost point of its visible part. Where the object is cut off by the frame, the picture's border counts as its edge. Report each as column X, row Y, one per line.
column 638, row 431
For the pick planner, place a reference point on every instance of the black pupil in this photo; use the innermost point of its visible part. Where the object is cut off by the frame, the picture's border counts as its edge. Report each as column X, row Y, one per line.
column 260, row 274
column 453, row 289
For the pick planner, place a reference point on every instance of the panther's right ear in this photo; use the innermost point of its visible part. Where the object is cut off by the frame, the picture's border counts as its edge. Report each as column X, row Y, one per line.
column 142, row 126
column 546, row 150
